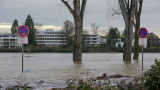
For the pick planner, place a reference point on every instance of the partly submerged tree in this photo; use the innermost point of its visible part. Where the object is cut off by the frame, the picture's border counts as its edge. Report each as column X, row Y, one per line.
column 137, row 26
column 68, row 27
column 14, row 27
column 32, row 31
column 128, row 8
column 117, row 11
column 78, row 14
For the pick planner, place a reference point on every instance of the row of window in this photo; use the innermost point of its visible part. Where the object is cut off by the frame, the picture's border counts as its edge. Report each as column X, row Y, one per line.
column 50, row 42
column 91, row 39
column 50, row 39
column 91, row 42
column 6, row 36
column 54, row 33
column 50, row 35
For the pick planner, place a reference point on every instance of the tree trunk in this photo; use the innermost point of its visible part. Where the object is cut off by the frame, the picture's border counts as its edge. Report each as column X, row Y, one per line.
column 77, row 53
column 128, row 12
column 137, row 26
column 128, row 40
column 78, row 15
column 136, row 42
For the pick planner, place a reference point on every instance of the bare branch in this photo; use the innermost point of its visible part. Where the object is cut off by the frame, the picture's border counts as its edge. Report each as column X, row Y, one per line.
column 116, row 12
column 83, row 8
column 69, row 7
column 133, row 7
column 123, row 10
column 140, row 8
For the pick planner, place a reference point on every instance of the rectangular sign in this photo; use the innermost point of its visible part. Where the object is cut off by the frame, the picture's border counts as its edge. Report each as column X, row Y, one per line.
column 23, row 40
column 143, row 41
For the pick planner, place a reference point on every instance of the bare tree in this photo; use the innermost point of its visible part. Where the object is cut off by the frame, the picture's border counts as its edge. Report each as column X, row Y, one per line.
column 137, row 26
column 78, row 14
column 68, row 27
column 128, row 8
column 117, row 11
column 95, row 28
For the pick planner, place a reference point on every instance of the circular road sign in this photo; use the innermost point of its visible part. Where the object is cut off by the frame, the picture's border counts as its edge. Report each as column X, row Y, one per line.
column 142, row 32
column 23, row 31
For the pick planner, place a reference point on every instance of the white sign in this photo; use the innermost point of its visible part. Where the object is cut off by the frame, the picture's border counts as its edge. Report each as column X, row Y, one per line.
column 23, row 40
column 143, row 41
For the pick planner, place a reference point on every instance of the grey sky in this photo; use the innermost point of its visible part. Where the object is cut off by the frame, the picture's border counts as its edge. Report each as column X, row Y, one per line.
column 53, row 12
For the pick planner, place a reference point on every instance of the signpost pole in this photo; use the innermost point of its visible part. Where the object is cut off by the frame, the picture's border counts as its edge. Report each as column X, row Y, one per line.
column 22, row 57
column 142, row 32
column 23, row 31
column 142, row 57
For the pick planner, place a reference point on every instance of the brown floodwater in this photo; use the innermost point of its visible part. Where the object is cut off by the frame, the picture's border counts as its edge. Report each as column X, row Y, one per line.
column 56, row 68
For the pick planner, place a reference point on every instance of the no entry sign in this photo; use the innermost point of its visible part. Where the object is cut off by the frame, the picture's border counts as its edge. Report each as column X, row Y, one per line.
column 142, row 32
column 23, row 31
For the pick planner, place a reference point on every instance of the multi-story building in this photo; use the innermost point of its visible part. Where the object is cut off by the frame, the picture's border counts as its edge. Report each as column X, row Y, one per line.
column 9, row 41
column 51, row 38
column 92, row 40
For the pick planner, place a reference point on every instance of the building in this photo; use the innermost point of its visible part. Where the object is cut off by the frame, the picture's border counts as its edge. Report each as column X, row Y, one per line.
column 103, row 40
column 92, row 40
column 9, row 41
column 51, row 38
column 153, row 40
column 119, row 43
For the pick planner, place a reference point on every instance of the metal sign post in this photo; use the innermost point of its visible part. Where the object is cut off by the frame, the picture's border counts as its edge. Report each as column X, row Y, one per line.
column 23, row 31
column 22, row 57
column 142, row 57
column 142, row 32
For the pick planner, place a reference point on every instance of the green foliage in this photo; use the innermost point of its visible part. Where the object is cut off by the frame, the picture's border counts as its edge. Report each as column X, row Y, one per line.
column 151, row 78
column 14, row 27
column 112, row 36
column 32, row 31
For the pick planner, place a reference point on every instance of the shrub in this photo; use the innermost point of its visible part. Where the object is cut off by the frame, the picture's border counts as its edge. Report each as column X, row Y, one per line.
column 151, row 78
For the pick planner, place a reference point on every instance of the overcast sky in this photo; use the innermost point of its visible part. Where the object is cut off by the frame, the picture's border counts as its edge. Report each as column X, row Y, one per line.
column 52, row 14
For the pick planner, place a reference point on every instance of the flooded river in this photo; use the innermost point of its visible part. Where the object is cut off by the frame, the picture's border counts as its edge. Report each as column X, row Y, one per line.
column 57, row 67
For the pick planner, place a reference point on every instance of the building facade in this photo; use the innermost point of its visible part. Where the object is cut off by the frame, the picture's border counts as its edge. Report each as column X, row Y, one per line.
column 9, row 41
column 119, row 43
column 92, row 40
column 51, row 38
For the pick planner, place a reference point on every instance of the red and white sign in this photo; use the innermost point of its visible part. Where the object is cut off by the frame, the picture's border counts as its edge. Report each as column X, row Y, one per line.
column 23, row 31
column 142, row 32
column 23, row 40
column 143, row 42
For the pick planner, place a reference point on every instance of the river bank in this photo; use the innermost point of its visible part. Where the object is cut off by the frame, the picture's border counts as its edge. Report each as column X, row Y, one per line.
column 102, row 49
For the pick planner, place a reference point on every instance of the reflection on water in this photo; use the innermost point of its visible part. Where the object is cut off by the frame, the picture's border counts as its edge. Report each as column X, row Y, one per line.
column 57, row 67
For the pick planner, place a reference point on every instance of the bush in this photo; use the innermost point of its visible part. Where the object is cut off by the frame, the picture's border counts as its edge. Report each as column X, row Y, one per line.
column 151, row 78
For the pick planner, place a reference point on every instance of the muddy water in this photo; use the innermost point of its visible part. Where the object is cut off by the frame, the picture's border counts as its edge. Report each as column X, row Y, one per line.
column 57, row 67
